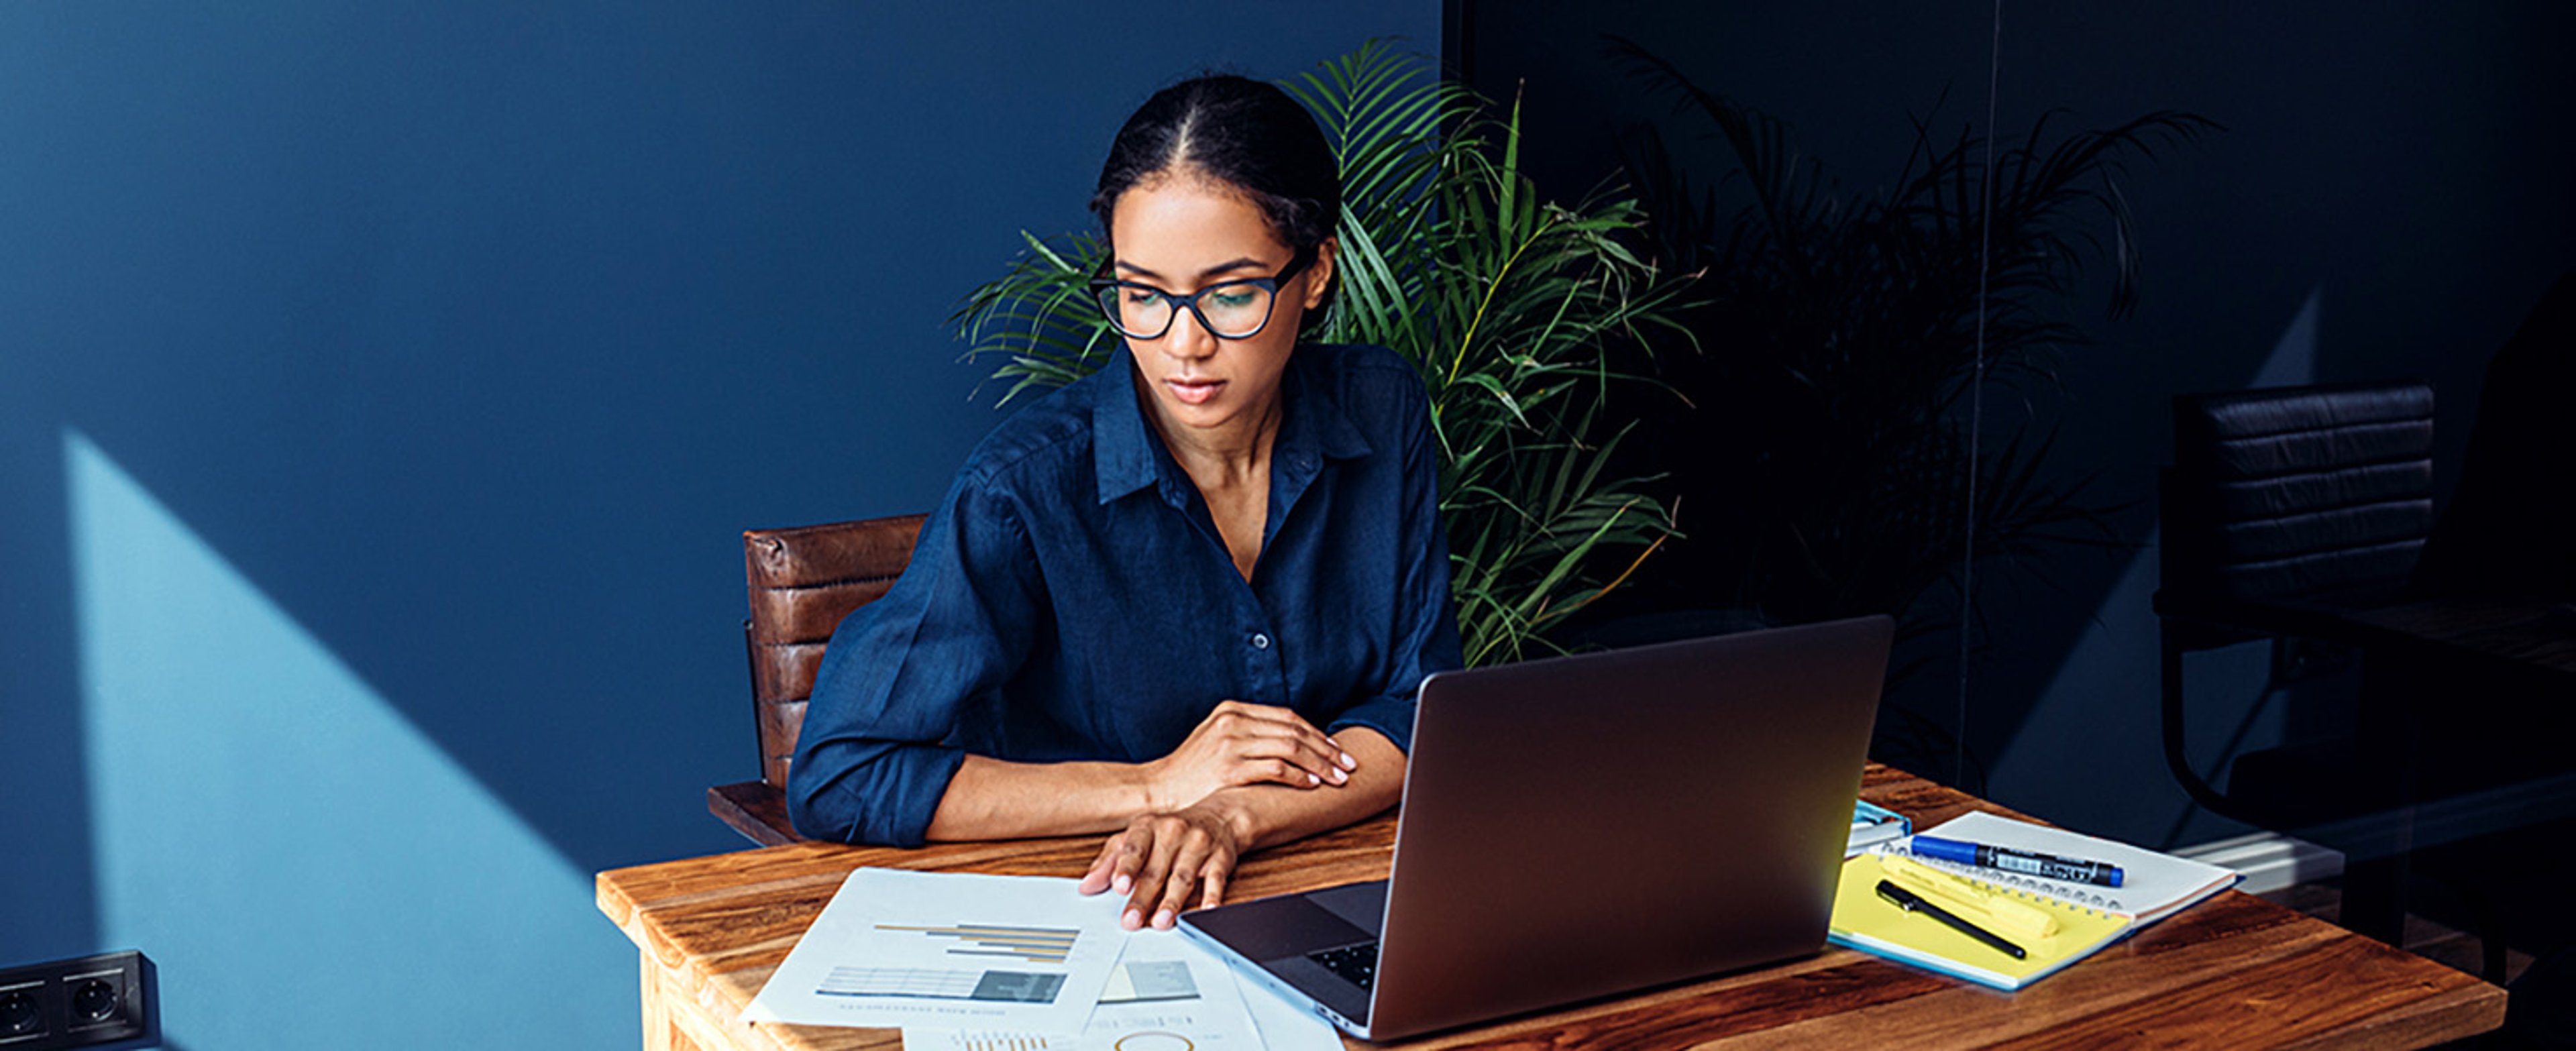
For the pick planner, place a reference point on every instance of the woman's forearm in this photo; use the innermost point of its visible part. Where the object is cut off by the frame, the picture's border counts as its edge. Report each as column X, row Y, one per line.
column 994, row 799
column 1268, row 815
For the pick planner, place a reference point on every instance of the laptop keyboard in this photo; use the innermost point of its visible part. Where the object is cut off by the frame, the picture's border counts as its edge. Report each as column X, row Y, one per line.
column 1356, row 964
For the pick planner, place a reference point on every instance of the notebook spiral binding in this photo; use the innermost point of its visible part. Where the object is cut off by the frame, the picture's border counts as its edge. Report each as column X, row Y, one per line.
column 2043, row 891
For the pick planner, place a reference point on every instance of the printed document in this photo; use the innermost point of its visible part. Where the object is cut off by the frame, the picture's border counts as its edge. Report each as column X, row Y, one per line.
column 951, row 951
column 1285, row 1026
column 1165, row 995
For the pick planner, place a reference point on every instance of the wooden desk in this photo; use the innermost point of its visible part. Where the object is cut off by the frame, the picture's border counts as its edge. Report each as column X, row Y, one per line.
column 2234, row 971
column 2529, row 636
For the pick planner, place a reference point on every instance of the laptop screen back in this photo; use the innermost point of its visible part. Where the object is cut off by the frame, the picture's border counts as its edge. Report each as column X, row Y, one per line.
column 1595, row 824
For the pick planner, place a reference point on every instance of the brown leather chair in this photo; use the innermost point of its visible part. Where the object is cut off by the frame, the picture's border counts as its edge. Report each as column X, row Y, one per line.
column 802, row 582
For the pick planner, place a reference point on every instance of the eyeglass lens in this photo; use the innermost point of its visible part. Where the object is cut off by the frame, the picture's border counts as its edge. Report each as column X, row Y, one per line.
column 1235, row 309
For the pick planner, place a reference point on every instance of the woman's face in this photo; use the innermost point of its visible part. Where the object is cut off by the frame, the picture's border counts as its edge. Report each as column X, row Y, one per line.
column 1181, row 233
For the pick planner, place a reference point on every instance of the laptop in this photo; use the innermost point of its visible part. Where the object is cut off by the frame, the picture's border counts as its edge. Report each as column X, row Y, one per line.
column 1589, row 825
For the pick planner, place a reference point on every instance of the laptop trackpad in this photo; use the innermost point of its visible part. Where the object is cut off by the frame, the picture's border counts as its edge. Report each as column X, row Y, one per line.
column 1286, row 926
column 1362, row 904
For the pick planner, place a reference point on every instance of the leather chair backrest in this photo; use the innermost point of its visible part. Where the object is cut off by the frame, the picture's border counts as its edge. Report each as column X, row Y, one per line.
column 803, row 581
column 2293, row 493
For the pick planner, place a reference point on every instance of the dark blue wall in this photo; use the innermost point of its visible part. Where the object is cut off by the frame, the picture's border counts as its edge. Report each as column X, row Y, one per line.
column 471, row 334
column 2390, row 198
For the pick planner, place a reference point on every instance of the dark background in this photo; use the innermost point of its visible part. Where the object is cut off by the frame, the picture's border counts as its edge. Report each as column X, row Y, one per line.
column 2388, row 200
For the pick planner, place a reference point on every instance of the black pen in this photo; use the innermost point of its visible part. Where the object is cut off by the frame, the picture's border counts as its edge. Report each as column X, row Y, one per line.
column 1911, row 902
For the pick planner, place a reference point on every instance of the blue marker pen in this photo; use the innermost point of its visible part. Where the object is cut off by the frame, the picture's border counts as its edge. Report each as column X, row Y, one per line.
column 2048, row 866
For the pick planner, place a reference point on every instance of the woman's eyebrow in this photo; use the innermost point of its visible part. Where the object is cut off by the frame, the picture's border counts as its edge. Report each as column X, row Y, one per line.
column 1220, row 268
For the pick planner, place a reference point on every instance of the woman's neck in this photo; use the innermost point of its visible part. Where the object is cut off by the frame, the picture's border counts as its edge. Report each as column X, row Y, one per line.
column 1216, row 457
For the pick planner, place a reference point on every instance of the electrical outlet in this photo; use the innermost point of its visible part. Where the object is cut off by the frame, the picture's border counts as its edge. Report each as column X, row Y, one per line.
column 93, row 1002
column 2297, row 660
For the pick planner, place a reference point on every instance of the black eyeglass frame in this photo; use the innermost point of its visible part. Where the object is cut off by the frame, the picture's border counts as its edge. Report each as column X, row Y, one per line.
column 1190, row 302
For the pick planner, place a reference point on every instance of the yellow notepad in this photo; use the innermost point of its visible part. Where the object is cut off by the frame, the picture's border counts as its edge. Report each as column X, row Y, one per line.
column 1865, row 921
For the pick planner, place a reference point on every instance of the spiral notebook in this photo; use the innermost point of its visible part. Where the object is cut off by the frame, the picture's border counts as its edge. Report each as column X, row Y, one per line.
column 2086, row 917
column 1872, row 825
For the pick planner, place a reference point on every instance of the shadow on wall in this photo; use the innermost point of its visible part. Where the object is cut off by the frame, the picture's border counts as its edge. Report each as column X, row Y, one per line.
column 2227, row 720
column 302, row 862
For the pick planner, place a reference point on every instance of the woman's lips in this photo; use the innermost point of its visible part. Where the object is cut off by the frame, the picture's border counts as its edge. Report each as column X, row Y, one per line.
column 1194, row 391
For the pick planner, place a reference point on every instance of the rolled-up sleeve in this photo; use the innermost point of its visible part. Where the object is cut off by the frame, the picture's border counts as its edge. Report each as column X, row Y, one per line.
column 1427, row 639
column 870, row 765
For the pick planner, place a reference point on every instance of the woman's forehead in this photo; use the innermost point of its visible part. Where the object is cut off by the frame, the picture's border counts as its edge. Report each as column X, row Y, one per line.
column 1179, row 227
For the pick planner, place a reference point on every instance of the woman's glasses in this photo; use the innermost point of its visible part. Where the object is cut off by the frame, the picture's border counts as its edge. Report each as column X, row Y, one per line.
column 1227, row 309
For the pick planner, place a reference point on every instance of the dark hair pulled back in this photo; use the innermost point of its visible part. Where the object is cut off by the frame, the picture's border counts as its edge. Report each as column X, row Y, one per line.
column 1245, row 133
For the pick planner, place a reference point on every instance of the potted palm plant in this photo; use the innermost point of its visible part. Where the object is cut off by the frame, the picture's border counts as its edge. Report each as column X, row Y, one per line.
column 1851, row 334
column 1850, row 330
column 1508, row 305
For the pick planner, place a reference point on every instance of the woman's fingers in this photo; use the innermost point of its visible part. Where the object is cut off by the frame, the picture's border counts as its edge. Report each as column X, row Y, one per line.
column 1249, row 771
column 1129, row 859
column 1212, row 877
column 1246, row 744
column 1254, row 731
column 1098, row 878
column 1198, row 849
column 1184, row 878
column 1159, row 861
column 1159, row 846
column 1296, row 762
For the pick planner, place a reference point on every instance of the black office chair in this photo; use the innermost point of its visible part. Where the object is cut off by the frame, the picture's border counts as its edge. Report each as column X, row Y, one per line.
column 2284, row 509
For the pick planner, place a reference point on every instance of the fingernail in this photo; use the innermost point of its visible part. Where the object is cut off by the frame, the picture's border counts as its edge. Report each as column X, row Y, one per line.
column 1120, row 883
column 1339, row 777
column 1132, row 920
column 1349, row 763
column 1163, row 920
column 1314, row 780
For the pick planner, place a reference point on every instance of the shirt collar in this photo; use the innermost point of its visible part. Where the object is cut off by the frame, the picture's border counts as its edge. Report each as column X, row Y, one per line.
column 1120, row 457
column 1314, row 422
column 1313, row 426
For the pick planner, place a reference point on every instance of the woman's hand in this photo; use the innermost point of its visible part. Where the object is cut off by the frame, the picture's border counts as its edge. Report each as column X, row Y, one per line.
column 1161, row 858
column 1246, row 744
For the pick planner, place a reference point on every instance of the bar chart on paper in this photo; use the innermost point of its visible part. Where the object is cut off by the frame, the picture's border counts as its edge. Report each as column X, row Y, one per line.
column 1034, row 944
column 1047, row 945
column 951, row 951
column 1164, row 995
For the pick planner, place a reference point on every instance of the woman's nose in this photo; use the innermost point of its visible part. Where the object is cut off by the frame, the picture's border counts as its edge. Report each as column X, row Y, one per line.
column 1189, row 339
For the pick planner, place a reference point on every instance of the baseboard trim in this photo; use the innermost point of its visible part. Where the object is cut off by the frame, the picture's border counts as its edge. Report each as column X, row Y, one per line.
column 2269, row 861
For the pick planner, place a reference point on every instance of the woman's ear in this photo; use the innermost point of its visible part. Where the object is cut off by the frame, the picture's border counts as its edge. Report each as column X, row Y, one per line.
column 1319, row 278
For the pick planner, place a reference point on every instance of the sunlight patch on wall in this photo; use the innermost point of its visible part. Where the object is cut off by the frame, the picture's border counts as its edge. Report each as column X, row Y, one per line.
column 307, row 869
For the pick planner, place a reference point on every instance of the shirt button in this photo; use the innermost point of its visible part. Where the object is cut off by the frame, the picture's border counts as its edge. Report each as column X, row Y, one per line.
column 1260, row 641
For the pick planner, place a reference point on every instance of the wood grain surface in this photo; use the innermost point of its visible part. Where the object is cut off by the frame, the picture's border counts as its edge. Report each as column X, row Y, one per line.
column 2531, row 634
column 2232, row 972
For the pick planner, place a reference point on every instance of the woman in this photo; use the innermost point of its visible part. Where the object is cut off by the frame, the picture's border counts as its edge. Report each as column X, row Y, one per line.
column 1186, row 600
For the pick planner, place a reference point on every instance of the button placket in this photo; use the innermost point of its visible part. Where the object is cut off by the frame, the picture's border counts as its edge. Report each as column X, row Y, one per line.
column 1264, row 657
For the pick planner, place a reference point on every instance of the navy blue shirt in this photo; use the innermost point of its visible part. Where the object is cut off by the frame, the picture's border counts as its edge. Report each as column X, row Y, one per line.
column 1071, row 598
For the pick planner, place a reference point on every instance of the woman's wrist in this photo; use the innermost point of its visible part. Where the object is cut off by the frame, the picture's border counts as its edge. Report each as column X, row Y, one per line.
column 1238, row 816
column 1152, row 795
